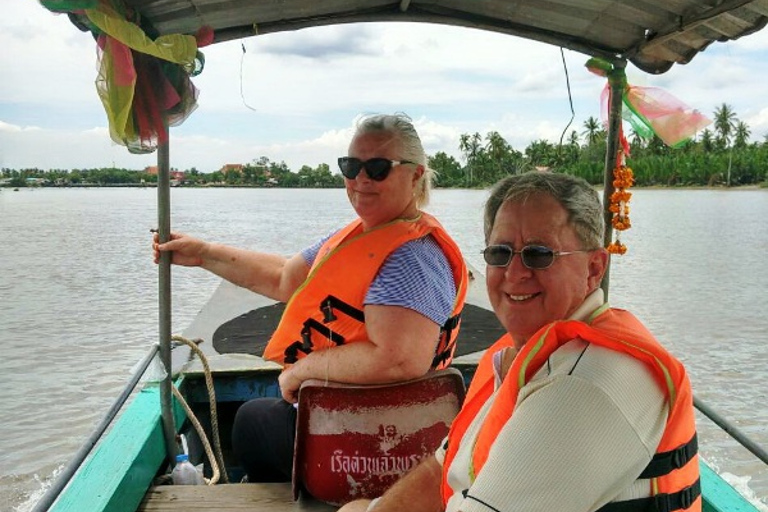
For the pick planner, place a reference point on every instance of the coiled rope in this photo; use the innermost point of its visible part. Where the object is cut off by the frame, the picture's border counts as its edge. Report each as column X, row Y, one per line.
column 217, row 461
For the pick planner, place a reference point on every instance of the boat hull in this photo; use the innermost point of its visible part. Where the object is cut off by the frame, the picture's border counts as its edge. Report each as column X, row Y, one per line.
column 124, row 465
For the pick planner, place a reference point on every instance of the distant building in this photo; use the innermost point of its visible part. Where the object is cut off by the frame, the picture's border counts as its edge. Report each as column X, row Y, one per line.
column 177, row 176
column 228, row 168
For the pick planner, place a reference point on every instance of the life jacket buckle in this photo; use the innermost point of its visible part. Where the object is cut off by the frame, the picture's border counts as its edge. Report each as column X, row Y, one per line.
column 690, row 494
column 686, row 498
column 306, row 338
column 327, row 309
column 679, row 459
column 663, row 503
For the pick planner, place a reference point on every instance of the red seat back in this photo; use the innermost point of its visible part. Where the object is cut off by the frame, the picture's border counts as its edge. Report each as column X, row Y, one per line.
column 355, row 441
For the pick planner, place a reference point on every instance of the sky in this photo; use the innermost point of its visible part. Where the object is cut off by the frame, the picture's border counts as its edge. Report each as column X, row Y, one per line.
column 293, row 97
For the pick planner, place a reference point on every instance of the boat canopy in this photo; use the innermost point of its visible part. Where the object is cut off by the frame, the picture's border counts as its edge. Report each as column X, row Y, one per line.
column 652, row 34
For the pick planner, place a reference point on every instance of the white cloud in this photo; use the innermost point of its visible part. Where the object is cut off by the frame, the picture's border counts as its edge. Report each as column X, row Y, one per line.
column 6, row 127
column 62, row 149
column 758, row 124
column 42, row 58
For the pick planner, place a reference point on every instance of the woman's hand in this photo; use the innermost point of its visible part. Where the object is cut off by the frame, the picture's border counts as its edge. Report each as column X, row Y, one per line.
column 185, row 250
column 289, row 385
column 294, row 375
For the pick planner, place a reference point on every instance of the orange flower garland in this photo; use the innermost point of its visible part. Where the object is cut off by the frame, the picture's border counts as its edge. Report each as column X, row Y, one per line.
column 622, row 180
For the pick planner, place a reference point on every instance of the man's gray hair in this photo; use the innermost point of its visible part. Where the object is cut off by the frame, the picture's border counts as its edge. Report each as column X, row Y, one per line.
column 410, row 148
column 579, row 198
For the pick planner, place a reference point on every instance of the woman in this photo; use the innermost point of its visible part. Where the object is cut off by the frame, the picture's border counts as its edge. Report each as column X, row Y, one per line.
column 375, row 302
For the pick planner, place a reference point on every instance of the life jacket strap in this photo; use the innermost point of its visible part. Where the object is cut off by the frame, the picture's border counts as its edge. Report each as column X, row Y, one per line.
column 446, row 332
column 665, row 462
column 291, row 353
column 330, row 303
column 669, row 502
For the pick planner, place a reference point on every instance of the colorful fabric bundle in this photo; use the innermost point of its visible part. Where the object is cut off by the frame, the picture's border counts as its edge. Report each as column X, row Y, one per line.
column 144, row 83
column 649, row 110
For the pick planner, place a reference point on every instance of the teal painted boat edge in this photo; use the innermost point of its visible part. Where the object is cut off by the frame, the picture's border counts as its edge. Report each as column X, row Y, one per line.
column 719, row 495
column 117, row 475
column 121, row 469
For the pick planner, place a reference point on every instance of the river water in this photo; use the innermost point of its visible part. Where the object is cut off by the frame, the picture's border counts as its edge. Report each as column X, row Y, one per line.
column 78, row 301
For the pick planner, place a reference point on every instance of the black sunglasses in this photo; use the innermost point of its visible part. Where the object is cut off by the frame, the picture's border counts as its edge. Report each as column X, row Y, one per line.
column 377, row 168
column 536, row 257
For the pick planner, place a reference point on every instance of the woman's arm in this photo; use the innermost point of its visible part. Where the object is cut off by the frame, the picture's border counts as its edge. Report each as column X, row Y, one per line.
column 401, row 347
column 405, row 306
column 271, row 275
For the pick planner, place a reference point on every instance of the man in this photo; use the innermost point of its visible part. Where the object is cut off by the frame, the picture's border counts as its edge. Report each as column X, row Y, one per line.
column 578, row 408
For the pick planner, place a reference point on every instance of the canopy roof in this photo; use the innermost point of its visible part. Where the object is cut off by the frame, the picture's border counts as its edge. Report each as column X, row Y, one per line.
column 652, row 34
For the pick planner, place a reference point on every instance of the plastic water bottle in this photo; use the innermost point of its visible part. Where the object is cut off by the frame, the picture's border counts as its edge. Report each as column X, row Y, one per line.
column 184, row 473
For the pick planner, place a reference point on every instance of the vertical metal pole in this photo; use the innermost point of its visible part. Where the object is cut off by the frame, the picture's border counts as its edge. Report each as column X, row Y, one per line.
column 164, row 283
column 617, row 83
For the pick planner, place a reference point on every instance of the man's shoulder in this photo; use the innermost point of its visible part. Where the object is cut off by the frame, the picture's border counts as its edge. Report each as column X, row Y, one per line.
column 612, row 372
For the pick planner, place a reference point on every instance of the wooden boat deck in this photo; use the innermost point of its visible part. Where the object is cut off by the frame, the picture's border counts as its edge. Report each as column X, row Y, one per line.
column 228, row 498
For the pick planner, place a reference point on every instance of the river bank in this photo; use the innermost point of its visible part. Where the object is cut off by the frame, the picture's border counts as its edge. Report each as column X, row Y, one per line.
column 759, row 186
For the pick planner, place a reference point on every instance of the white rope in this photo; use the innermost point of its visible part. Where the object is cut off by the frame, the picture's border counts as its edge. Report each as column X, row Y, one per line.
column 201, row 432
column 217, row 460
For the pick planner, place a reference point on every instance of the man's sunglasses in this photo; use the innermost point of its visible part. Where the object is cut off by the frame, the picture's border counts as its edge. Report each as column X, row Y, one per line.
column 536, row 257
column 377, row 168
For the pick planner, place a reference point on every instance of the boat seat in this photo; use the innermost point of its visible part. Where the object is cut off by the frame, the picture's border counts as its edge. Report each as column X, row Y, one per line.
column 355, row 441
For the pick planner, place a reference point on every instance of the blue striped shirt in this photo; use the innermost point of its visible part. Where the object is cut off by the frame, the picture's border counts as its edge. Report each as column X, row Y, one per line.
column 416, row 276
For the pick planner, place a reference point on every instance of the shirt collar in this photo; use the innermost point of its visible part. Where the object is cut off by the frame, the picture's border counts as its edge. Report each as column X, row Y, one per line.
column 593, row 301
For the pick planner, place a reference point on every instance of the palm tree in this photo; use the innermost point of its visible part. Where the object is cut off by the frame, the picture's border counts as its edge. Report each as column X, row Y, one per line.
column 541, row 153
column 573, row 138
column 636, row 140
column 470, row 146
column 742, row 134
column 725, row 123
column 497, row 149
column 707, row 140
column 572, row 149
column 591, row 131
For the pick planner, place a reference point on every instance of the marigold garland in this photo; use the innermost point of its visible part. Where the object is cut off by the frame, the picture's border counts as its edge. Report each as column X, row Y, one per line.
column 622, row 180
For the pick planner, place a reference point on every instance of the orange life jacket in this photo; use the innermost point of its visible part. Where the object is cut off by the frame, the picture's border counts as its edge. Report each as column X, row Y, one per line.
column 673, row 474
column 327, row 309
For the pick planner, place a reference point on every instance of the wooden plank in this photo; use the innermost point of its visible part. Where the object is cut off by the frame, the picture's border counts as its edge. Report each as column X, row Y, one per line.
column 720, row 497
column 228, row 498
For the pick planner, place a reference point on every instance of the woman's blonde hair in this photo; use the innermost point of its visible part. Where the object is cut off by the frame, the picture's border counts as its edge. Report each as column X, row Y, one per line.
column 401, row 127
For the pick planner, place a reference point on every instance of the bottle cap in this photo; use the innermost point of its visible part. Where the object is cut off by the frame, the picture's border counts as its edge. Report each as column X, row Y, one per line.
column 182, row 457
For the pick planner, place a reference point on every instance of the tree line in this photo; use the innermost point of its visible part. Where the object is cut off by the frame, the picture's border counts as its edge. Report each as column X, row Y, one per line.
column 720, row 156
